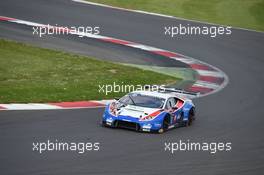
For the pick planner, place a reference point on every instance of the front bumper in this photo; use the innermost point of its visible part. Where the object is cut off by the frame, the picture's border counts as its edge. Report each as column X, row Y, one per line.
column 131, row 123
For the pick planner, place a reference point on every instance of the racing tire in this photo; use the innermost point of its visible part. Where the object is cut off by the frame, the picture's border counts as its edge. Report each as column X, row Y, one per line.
column 165, row 124
column 115, row 124
column 103, row 124
column 191, row 117
column 183, row 123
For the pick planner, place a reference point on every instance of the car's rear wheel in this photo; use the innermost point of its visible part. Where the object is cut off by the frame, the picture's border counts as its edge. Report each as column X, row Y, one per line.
column 191, row 117
column 182, row 122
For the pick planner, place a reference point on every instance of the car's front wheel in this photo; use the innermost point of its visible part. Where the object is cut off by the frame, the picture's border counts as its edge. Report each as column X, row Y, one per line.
column 165, row 124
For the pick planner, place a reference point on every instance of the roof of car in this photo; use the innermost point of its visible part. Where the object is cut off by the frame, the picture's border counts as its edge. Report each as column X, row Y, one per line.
column 155, row 94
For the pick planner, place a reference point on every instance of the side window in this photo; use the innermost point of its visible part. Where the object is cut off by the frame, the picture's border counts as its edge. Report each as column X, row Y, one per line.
column 170, row 103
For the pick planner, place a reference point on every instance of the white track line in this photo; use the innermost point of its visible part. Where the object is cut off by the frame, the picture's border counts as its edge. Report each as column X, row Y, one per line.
column 144, row 47
column 29, row 106
column 206, row 84
column 210, row 73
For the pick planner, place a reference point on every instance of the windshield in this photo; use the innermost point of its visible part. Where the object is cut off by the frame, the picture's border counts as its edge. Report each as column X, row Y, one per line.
column 142, row 100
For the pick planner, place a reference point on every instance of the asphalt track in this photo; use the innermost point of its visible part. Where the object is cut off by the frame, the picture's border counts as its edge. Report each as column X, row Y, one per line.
column 234, row 114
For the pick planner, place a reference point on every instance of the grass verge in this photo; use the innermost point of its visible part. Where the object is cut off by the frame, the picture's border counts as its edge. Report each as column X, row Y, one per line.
column 238, row 13
column 31, row 74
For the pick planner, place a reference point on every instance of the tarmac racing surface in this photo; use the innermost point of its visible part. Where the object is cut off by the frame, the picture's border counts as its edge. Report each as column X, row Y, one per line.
column 234, row 114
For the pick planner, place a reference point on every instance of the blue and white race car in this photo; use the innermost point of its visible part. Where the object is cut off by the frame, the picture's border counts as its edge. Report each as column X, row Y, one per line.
column 149, row 111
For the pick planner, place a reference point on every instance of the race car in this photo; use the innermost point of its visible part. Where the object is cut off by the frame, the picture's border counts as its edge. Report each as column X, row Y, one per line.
column 149, row 111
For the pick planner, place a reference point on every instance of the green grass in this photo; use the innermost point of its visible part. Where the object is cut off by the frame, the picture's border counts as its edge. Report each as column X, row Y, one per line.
column 31, row 74
column 238, row 13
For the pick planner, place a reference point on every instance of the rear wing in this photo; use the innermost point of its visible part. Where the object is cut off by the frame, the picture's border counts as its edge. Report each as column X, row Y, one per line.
column 180, row 92
column 177, row 91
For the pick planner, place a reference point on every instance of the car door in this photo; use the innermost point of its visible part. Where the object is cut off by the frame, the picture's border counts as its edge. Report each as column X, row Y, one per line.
column 171, row 103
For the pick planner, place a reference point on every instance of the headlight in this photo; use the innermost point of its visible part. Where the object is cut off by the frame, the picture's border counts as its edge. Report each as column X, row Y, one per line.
column 150, row 116
column 147, row 118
